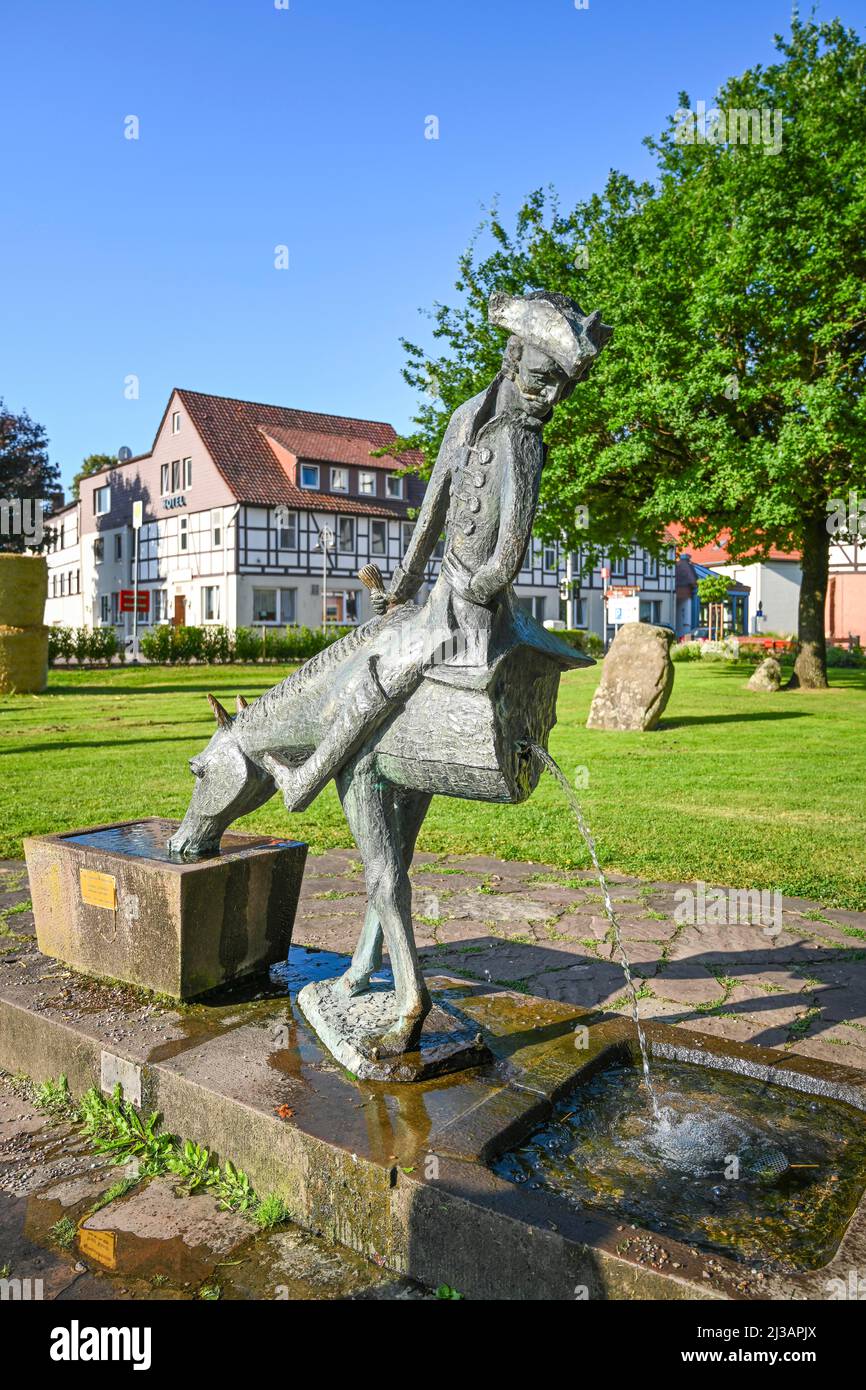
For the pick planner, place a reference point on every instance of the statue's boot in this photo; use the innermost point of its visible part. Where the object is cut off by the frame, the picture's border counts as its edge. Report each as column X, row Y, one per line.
column 363, row 706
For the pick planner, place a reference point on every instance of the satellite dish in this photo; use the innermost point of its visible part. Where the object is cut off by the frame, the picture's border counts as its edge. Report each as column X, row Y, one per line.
column 124, row 454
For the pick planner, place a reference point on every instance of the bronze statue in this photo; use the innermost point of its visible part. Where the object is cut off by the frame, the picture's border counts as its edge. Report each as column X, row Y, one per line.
column 446, row 697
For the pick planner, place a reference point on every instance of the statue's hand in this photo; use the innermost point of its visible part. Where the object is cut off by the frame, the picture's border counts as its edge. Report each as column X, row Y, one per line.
column 380, row 602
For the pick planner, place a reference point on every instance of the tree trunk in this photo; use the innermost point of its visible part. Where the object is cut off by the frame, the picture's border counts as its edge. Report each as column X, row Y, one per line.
column 810, row 668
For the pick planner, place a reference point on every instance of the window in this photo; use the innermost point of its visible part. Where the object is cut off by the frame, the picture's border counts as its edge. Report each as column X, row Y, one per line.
column 352, row 605
column 98, row 549
column 118, row 546
column 406, row 529
column 160, row 605
column 617, row 567
column 115, row 607
column 339, row 480
column 288, row 606
column 163, row 479
column 287, row 529
column 105, row 609
column 264, row 605
column 650, row 567
column 184, row 532
column 187, row 472
column 550, row 561
column 175, row 422
column 63, row 586
column 216, row 529
column 210, row 603
column 310, row 475
column 367, row 484
column 651, row 610
column 77, row 581
column 101, row 500
column 393, row 485
column 378, row 537
column 580, row 611
column 175, row 475
column 346, row 533
column 539, row 604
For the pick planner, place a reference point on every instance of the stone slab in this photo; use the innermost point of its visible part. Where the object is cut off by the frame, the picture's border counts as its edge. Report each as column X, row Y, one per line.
column 178, row 928
column 351, row 1029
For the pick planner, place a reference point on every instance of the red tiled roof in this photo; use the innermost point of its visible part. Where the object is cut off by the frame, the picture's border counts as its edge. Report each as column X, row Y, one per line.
column 235, row 433
column 717, row 553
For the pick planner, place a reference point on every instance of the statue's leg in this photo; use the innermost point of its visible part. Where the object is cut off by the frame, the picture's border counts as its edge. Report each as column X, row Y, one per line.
column 410, row 808
column 375, row 813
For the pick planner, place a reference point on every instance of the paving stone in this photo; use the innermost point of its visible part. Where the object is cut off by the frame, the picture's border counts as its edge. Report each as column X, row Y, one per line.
column 684, row 982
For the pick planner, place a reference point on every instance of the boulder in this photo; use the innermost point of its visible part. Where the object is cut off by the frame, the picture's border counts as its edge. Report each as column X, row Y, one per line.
column 636, row 679
column 767, row 676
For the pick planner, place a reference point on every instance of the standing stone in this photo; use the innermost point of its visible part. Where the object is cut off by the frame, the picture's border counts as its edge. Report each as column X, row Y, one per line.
column 636, row 679
column 767, row 676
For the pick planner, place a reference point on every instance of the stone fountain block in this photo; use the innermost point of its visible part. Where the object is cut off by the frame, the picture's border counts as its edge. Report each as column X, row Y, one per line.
column 109, row 901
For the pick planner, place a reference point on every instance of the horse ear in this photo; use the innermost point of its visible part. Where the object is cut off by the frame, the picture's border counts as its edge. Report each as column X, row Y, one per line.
column 223, row 718
column 241, row 703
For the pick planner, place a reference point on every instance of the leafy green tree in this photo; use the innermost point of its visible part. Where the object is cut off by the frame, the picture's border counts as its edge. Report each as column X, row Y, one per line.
column 92, row 464
column 26, row 472
column 731, row 398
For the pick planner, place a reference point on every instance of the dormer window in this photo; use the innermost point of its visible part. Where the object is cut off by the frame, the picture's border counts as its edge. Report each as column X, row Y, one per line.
column 175, row 422
column 339, row 480
column 367, row 484
column 310, row 475
column 393, row 486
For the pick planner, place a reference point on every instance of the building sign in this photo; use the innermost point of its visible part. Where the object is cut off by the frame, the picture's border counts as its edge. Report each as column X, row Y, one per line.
column 623, row 606
column 127, row 601
column 174, row 502
column 137, row 515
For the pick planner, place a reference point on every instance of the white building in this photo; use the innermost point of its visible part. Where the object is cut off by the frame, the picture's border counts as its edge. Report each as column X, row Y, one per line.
column 236, row 497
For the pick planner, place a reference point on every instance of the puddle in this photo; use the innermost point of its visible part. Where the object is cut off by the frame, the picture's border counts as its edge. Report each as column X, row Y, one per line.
column 757, row 1172
column 147, row 839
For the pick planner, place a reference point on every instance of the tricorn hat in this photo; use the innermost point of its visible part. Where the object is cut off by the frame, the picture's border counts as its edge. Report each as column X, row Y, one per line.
column 553, row 323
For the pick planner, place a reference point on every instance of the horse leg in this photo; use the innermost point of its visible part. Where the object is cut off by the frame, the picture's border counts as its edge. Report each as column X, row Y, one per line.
column 376, row 815
column 410, row 808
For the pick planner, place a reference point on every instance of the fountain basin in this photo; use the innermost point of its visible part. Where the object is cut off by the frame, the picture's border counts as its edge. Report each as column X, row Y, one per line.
column 112, row 901
column 735, row 1165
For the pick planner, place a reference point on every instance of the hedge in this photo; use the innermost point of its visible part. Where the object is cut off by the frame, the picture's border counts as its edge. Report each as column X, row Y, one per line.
column 176, row 645
column 83, row 644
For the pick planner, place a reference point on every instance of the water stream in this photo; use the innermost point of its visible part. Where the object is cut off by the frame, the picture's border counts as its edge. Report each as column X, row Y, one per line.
column 557, row 773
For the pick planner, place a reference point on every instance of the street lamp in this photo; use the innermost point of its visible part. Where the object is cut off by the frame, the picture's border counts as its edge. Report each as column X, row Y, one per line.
column 326, row 540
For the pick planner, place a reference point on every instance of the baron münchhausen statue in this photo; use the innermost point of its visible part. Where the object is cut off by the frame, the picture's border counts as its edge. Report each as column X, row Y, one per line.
column 446, row 697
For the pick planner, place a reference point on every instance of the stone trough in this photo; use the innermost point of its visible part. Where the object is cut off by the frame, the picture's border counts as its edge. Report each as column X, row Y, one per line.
column 405, row 1174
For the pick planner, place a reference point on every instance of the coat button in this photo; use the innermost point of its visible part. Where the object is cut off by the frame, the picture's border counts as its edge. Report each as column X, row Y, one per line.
column 468, row 528
column 479, row 479
column 474, row 504
column 485, row 455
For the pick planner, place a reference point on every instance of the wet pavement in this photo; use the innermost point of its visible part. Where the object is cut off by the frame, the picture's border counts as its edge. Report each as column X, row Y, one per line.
column 153, row 1242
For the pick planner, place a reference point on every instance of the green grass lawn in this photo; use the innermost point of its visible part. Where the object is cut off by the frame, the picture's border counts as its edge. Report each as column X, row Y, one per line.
column 737, row 788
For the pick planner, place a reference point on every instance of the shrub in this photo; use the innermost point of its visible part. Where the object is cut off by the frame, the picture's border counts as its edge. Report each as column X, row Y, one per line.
column 155, row 644
column 588, row 642
column 845, row 657
column 686, row 651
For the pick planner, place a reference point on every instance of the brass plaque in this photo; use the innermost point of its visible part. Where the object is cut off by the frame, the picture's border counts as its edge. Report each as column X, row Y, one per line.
column 100, row 890
column 99, row 1245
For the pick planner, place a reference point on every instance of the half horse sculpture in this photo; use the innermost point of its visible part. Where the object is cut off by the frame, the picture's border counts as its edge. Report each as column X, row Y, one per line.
column 447, row 697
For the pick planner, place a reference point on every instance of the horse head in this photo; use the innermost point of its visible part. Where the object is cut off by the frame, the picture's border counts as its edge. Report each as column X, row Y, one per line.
column 228, row 784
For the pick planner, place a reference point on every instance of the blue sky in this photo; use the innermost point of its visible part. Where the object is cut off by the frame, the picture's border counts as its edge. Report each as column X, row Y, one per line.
column 301, row 127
